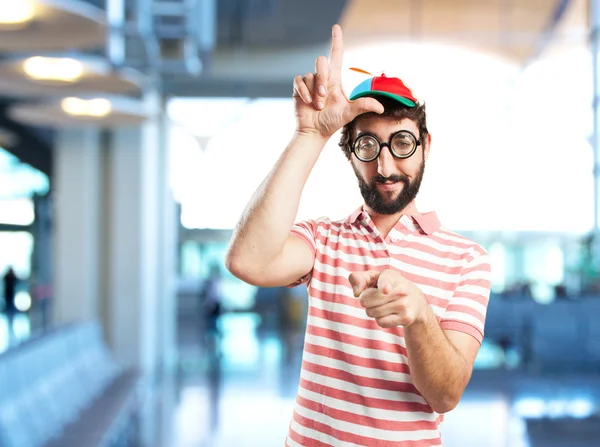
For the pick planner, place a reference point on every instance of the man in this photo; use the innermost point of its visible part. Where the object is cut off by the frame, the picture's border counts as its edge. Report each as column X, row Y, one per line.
column 10, row 287
column 397, row 303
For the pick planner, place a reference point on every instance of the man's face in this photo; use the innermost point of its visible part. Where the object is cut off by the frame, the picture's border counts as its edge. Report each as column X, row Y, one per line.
column 389, row 184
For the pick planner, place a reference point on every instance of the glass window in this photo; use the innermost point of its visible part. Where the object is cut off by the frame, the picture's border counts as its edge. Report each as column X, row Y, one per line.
column 19, row 180
column 17, row 248
column 16, row 211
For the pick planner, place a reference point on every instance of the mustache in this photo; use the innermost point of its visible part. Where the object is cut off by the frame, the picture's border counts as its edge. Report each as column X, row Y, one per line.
column 391, row 179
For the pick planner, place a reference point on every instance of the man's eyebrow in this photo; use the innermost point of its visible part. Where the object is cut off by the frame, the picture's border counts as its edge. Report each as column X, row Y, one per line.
column 385, row 138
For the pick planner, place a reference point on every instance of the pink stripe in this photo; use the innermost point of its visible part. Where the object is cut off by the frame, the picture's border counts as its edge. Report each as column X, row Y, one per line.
column 459, row 326
column 381, row 384
column 357, row 439
column 366, row 244
column 483, row 300
column 354, row 360
column 341, row 280
column 368, row 421
column 370, row 402
column 467, row 311
column 304, row 441
column 366, row 343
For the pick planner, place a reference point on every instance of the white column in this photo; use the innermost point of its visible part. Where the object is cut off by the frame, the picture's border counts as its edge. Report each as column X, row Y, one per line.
column 76, row 225
column 132, row 255
column 115, row 235
column 167, row 240
column 139, row 278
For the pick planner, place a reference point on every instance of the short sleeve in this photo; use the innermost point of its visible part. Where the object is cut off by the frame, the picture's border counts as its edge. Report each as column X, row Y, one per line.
column 305, row 230
column 468, row 306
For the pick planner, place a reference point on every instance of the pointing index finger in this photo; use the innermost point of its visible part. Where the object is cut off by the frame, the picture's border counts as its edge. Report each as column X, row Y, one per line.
column 336, row 56
column 390, row 281
column 362, row 280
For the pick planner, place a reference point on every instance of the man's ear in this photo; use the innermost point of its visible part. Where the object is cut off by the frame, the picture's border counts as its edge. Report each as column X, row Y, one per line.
column 427, row 147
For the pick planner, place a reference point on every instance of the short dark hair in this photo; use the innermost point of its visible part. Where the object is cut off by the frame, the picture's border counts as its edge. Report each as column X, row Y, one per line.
column 392, row 109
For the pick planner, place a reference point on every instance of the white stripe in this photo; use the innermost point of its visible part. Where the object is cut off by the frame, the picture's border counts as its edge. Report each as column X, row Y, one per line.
column 313, row 434
column 366, row 391
column 450, row 235
column 438, row 311
column 348, row 239
column 361, row 410
column 434, row 275
column 410, row 238
column 337, row 289
column 428, row 242
column 468, row 302
column 371, row 373
column 476, row 275
column 335, row 270
column 289, row 442
column 479, row 260
column 365, row 353
column 475, row 290
column 361, row 430
column 343, row 272
column 465, row 318
column 352, row 258
column 435, row 292
column 428, row 257
column 343, row 309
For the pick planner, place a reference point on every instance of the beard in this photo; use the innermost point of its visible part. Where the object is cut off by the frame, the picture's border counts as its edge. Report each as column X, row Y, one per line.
column 377, row 200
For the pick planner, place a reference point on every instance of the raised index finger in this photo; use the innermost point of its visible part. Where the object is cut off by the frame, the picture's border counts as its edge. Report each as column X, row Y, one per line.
column 336, row 56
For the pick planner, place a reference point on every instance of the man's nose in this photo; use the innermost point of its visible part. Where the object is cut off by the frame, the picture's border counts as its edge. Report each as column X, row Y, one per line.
column 386, row 163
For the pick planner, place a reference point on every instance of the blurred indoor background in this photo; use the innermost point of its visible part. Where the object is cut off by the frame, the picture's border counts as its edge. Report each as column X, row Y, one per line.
column 133, row 133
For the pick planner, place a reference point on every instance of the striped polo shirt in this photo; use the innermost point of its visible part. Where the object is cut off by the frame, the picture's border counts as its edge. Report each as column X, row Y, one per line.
column 355, row 386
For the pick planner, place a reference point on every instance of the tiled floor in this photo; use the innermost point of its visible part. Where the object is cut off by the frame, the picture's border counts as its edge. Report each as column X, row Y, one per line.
column 246, row 398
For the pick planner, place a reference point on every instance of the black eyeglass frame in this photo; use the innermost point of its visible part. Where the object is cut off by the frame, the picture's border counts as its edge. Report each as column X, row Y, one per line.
column 417, row 143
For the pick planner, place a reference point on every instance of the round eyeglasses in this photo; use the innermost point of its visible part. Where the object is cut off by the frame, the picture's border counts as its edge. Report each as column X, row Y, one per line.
column 402, row 144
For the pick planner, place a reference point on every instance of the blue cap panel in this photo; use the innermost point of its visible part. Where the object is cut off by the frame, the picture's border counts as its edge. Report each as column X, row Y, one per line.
column 364, row 86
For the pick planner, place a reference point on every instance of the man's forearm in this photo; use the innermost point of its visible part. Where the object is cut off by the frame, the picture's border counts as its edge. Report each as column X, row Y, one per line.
column 268, row 218
column 438, row 370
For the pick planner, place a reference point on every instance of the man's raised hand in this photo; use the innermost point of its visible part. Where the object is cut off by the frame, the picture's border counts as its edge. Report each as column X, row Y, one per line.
column 321, row 105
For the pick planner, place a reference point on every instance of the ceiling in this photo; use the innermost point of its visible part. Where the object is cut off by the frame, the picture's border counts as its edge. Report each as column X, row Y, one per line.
column 259, row 45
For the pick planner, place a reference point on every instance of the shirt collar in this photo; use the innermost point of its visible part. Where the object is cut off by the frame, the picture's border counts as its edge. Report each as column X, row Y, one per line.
column 428, row 222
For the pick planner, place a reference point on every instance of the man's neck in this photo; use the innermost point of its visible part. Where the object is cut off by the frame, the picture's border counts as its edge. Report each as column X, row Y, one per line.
column 385, row 222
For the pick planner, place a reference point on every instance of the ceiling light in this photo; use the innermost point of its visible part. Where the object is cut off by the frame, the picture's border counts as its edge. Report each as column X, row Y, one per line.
column 15, row 13
column 92, row 108
column 53, row 69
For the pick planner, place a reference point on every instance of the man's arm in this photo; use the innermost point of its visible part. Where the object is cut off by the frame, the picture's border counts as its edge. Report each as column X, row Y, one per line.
column 262, row 251
column 441, row 354
column 441, row 362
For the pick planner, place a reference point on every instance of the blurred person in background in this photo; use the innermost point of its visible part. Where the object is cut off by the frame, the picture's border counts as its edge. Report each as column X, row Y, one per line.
column 211, row 308
column 10, row 280
column 397, row 303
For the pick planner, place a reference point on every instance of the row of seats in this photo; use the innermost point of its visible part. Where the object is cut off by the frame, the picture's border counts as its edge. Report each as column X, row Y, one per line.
column 563, row 334
column 65, row 389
